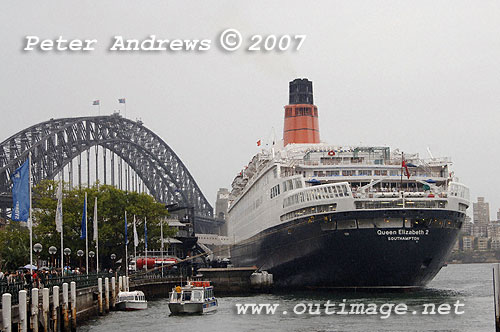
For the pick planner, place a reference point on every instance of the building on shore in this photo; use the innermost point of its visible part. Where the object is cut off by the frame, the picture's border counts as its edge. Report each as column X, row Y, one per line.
column 495, row 243
column 481, row 211
column 483, row 243
column 468, row 243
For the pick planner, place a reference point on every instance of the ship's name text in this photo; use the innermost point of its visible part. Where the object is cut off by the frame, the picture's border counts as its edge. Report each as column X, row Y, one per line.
column 402, row 232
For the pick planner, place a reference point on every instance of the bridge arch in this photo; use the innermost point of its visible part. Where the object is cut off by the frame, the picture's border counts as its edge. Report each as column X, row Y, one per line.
column 55, row 143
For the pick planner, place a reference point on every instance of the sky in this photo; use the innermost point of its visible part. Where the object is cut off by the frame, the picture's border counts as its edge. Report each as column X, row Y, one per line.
column 409, row 75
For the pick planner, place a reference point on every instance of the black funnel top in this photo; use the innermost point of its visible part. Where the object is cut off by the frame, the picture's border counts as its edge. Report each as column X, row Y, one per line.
column 301, row 91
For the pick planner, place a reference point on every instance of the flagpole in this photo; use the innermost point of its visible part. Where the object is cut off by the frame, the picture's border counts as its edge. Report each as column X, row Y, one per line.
column 62, row 245
column 30, row 218
column 96, row 232
column 145, row 244
column 86, row 239
column 401, row 182
column 161, row 236
column 126, row 245
column 135, row 246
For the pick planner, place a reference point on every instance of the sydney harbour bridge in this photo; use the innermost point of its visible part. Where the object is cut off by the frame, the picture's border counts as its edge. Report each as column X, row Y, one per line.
column 126, row 154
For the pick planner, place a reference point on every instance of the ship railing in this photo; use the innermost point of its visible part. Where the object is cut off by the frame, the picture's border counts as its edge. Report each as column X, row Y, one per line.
column 351, row 173
column 397, row 194
column 400, row 204
column 422, row 170
column 318, row 193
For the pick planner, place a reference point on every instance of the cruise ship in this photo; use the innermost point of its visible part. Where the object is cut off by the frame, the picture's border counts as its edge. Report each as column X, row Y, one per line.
column 326, row 216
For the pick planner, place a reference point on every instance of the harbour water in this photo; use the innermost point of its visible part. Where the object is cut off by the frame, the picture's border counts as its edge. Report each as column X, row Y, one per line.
column 470, row 284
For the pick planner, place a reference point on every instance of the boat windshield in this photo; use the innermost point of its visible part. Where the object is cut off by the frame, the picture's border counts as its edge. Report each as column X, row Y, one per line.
column 196, row 296
column 186, row 296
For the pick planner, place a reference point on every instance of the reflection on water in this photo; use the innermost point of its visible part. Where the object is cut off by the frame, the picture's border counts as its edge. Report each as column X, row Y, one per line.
column 470, row 284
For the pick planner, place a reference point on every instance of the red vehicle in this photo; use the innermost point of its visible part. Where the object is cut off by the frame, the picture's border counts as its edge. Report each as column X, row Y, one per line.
column 155, row 262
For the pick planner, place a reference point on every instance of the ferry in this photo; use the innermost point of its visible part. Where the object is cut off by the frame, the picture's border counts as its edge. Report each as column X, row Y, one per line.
column 322, row 215
column 197, row 297
column 134, row 300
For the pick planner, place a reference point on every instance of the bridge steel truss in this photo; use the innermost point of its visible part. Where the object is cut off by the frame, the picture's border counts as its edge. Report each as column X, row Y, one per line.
column 55, row 143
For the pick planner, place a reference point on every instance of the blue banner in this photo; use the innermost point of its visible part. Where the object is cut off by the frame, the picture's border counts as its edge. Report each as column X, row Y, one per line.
column 21, row 193
column 83, row 233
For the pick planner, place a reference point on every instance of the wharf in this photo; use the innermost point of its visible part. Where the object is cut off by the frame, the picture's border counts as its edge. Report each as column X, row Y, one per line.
column 233, row 280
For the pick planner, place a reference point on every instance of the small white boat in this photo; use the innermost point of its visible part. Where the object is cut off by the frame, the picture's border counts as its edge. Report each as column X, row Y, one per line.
column 197, row 297
column 131, row 301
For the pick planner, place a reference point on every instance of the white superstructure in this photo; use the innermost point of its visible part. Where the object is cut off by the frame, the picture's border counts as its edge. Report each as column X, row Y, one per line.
column 301, row 180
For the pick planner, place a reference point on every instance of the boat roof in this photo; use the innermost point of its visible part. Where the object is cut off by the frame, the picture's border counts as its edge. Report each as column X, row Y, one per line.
column 133, row 293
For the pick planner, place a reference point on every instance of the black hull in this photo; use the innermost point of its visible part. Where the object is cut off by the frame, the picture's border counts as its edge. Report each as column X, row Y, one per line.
column 314, row 253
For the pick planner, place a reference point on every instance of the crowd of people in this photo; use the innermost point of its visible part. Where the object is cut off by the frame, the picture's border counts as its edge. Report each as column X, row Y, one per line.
column 34, row 278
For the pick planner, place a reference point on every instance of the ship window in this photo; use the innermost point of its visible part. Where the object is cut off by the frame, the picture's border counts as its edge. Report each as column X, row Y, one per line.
column 344, row 189
column 380, row 172
column 436, row 223
column 365, row 172
column 275, row 191
column 449, row 224
column 346, row 224
column 366, row 223
column 348, row 172
column 298, row 183
column 388, row 222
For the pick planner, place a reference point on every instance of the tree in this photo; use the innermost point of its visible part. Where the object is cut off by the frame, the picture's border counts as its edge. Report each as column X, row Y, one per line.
column 14, row 246
column 111, row 207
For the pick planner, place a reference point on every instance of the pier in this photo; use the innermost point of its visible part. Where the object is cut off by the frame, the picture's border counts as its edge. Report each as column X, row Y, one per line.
column 66, row 302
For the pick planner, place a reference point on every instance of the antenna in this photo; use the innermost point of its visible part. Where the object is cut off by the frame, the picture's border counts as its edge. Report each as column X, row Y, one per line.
column 430, row 153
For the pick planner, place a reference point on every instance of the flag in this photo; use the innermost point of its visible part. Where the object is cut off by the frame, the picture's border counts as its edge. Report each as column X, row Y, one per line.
column 145, row 234
column 136, row 237
column 21, row 192
column 83, row 233
column 121, row 100
column 96, row 102
column 95, row 220
column 59, row 212
column 259, row 142
column 126, row 235
column 407, row 172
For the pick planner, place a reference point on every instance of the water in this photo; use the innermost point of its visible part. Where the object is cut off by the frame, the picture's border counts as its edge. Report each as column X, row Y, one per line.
column 470, row 284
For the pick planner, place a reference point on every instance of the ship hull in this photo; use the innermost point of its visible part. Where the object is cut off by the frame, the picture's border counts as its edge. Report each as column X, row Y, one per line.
column 314, row 253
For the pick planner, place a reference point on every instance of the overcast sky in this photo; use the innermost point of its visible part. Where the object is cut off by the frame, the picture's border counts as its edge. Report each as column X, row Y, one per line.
column 405, row 74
